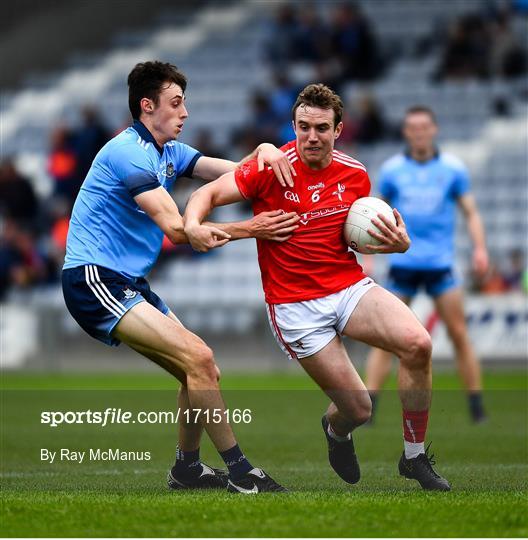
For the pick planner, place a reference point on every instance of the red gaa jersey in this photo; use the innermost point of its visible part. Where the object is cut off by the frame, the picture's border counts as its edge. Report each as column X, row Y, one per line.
column 315, row 261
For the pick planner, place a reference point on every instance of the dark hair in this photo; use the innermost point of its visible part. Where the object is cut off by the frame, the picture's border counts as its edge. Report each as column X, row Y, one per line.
column 146, row 80
column 421, row 109
column 319, row 95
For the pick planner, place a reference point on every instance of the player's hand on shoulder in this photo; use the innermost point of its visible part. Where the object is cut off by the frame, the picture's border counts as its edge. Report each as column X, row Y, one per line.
column 274, row 225
column 269, row 154
column 205, row 237
column 393, row 238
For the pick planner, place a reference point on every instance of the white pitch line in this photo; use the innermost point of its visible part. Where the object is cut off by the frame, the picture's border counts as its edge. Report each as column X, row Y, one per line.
column 97, row 472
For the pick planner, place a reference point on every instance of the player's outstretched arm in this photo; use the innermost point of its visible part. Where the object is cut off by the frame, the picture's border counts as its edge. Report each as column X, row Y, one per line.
column 160, row 206
column 268, row 154
column 274, row 225
column 162, row 209
column 208, row 168
column 476, row 230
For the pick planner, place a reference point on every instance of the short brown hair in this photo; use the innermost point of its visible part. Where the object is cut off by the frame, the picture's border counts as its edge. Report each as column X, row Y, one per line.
column 146, row 80
column 421, row 109
column 322, row 97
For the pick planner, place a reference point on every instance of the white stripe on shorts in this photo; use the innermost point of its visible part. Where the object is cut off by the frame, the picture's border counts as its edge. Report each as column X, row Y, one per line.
column 116, row 308
column 109, row 294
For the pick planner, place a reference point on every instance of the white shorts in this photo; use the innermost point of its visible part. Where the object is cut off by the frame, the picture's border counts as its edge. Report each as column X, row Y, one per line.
column 304, row 328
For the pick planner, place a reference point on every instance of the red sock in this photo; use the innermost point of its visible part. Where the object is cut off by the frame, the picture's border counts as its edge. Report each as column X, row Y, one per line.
column 415, row 425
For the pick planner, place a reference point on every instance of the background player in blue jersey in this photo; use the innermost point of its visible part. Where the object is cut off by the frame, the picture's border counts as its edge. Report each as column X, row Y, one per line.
column 115, row 235
column 426, row 186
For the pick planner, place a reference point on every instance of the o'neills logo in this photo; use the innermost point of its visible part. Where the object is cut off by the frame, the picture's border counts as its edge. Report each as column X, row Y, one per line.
column 320, row 185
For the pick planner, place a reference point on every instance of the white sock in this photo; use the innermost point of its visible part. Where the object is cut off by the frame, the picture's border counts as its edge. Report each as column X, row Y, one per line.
column 413, row 449
column 335, row 436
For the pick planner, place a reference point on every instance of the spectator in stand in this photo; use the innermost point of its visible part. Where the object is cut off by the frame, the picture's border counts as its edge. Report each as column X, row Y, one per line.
column 263, row 121
column 281, row 40
column 22, row 264
column 312, row 38
column 88, row 140
column 18, row 200
column 354, row 43
column 63, row 164
column 467, row 52
column 59, row 215
column 492, row 282
column 508, row 58
column 344, row 50
column 282, row 97
column 513, row 275
column 205, row 143
column 520, row 6
column 243, row 138
column 366, row 124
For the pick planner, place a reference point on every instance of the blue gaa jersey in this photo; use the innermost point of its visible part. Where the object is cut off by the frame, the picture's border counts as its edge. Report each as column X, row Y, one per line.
column 107, row 227
column 425, row 194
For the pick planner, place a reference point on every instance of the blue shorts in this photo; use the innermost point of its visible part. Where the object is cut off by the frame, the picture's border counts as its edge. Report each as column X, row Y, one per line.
column 97, row 298
column 407, row 281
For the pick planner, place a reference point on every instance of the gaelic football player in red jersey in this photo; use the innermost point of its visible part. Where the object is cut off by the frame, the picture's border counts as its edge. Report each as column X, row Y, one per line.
column 316, row 292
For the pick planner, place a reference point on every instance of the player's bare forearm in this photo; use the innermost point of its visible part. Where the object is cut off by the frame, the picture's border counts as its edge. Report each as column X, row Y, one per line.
column 473, row 220
column 480, row 259
column 237, row 229
column 208, row 168
column 253, row 155
column 177, row 237
column 199, row 207
column 275, row 225
column 205, row 236
column 222, row 191
column 267, row 153
column 172, row 227
column 476, row 230
column 162, row 209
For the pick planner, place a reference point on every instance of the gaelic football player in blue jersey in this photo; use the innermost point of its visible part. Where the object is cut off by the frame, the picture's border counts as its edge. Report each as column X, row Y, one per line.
column 118, row 221
column 427, row 185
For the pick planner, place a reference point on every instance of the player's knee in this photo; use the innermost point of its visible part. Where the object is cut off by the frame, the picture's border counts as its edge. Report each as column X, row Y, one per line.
column 359, row 410
column 202, row 364
column 418, row 348
column 363, row 410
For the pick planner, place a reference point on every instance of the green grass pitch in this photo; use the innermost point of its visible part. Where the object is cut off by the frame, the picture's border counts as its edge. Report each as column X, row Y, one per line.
column 486, row 464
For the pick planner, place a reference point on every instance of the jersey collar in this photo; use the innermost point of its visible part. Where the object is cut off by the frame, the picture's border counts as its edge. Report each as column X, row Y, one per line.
column 408, row 155
column 146, row 135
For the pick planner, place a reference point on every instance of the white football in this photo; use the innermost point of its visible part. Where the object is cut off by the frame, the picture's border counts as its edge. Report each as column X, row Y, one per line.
column 359, row 221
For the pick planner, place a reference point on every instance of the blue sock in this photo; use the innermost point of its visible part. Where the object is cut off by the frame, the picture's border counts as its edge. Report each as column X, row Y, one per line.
column 187, row 463
column 236, row 462
column 374, row 401
column 476, row 407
